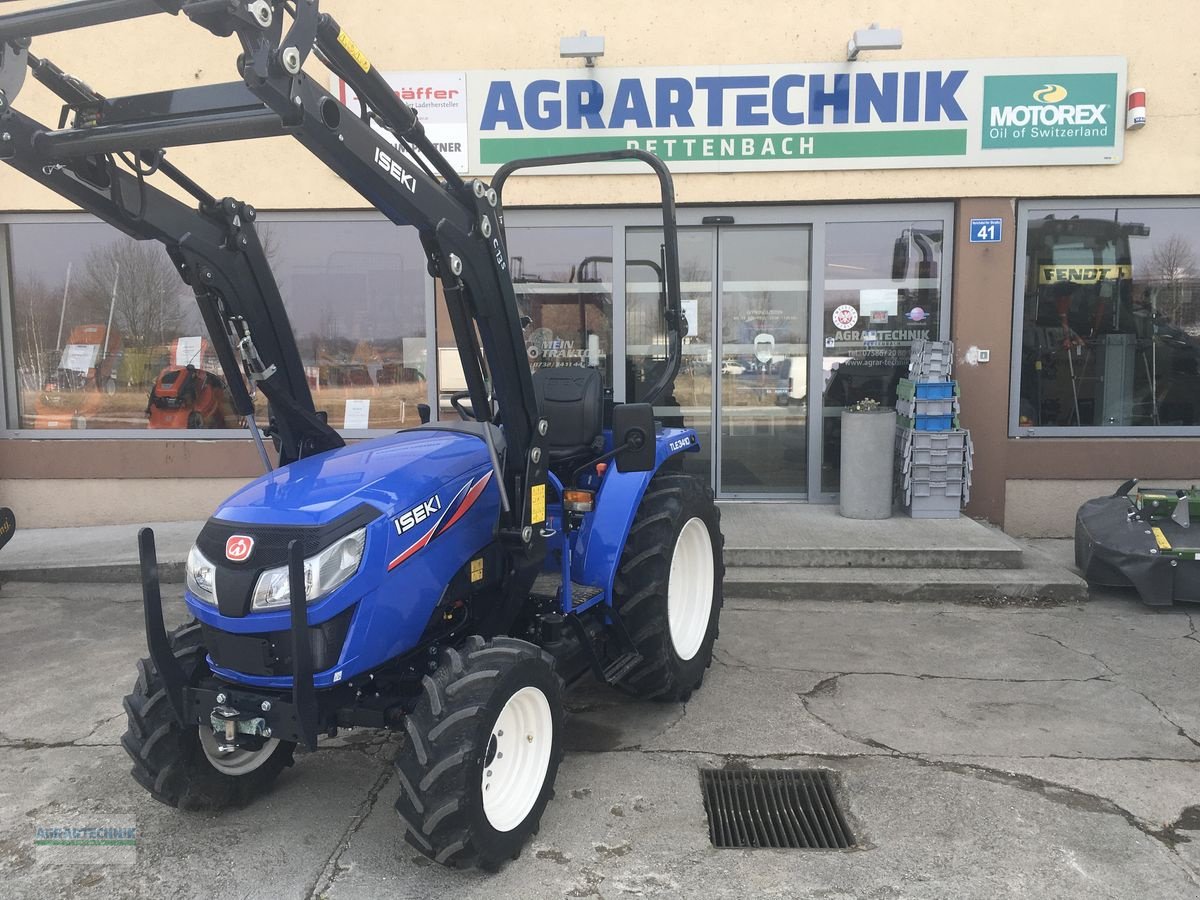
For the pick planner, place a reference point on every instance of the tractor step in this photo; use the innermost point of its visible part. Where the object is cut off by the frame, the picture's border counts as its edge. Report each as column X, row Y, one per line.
column 621, row 666
column 546, row 587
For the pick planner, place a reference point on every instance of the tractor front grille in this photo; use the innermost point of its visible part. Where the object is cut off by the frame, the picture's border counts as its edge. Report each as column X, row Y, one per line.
column 270, row 653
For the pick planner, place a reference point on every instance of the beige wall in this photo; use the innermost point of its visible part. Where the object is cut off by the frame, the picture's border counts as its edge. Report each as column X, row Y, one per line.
column 162, row 52
column 55, row 483
column 62, row 502
column 1046, row 509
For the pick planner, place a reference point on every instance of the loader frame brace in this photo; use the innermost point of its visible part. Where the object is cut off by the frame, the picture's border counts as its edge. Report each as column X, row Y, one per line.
column 104, row 150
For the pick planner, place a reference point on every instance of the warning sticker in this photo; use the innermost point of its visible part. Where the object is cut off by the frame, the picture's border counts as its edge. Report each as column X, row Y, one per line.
column 537, row 504
column 353, row 49
column 1161, row 539
column 476, row 570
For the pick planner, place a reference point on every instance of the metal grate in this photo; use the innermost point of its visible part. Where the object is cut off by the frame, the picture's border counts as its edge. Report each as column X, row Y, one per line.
column 786, row 808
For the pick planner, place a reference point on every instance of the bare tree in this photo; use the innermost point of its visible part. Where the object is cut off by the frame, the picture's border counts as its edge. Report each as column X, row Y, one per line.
column 147, row 308
column 37, row 307
column 1172, row 266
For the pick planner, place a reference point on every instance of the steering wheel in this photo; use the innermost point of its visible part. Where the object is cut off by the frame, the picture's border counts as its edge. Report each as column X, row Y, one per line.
column 466, row 412
column 456, row 400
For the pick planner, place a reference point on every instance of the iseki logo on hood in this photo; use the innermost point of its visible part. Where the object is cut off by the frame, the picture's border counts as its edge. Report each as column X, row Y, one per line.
column 418, row 514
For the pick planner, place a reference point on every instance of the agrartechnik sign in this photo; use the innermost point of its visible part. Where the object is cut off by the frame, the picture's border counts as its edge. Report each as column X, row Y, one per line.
column 906, row 114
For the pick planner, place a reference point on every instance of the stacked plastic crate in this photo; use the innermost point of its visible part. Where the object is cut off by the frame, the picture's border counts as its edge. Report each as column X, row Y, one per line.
column 934, row 453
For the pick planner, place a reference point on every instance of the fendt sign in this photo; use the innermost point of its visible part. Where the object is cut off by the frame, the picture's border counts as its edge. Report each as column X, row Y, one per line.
column 915, row 114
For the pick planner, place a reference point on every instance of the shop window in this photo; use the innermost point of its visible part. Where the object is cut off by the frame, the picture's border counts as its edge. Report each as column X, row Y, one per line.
column 106, row 335
column 1109, row 319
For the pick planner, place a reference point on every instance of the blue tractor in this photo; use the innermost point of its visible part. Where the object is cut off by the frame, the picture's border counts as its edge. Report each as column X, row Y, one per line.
column 444, row 582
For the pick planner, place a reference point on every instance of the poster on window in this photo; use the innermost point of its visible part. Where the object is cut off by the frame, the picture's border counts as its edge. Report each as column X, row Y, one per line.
column 440, row 101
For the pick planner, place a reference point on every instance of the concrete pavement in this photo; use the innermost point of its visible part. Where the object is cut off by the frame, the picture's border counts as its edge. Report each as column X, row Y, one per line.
column 981, row 752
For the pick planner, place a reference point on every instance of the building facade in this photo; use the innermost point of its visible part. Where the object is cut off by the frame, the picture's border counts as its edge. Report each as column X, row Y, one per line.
column 978, row 184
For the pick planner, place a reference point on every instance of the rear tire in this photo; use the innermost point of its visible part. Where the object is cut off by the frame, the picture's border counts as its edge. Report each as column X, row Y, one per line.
column 177, row 764
column 482, row 753
column 668, row 587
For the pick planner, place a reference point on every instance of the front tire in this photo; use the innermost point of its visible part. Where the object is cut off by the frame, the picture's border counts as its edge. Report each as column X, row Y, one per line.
column 668, row 589
column 181, row 766
column 482, row 753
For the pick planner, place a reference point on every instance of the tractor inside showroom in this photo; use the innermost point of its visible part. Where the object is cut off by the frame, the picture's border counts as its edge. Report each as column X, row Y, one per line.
column 443, row 582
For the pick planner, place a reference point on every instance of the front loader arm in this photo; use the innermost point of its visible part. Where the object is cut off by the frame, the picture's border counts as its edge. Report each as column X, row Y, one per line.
column 215, row 245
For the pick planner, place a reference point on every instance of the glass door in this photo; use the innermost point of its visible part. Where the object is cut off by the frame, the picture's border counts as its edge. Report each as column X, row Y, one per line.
column 691, row 404
column 745, row 354
column 762, row 408
column 882, row 290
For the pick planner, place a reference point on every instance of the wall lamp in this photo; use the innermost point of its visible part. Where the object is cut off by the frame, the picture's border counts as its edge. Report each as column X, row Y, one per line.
column 584, row 45
column 873, row 38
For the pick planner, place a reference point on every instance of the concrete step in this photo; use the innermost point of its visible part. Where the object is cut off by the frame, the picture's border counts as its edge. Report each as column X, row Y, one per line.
column 800, row 535
column 95, row 553
column 820, row 556
column 1043, row 582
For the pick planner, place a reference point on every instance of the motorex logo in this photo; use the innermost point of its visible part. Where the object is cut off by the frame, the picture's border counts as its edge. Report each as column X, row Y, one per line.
column 1048, row 111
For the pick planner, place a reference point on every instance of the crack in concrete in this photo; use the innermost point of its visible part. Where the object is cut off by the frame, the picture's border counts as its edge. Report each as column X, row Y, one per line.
column 1074, row 798
column 1056, row 792
column 1046, row 788
column 814, row 754
column 1070, row 649
column 1166, row 718
column 1191, row 635
column 13, row 743
column 828, row 686
column 1162, row 712
column 333, row 868
column 922, row 676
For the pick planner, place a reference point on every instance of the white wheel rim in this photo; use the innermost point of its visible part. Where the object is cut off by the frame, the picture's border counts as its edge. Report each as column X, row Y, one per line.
column 517, row 758
column 234, row 762
column 690, row 589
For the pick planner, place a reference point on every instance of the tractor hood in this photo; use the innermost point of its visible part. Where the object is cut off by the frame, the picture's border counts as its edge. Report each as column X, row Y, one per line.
column 388, row 473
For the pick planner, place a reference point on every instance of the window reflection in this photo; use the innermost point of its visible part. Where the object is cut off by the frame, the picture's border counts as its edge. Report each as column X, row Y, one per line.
column 1110, row 325
column 107, row 336
column 690, row 402
column 562, row 277
column 563, row 282
column 882, row 292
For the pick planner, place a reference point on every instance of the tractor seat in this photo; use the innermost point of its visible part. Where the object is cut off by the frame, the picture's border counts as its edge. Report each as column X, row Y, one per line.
column 571, row 399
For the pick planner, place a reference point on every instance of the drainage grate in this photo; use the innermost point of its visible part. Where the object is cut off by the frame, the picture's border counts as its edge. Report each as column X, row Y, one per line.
column 793, row 808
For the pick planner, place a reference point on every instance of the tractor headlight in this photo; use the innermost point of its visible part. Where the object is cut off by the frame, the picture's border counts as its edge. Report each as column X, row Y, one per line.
column 201, row 576
column 323, row 573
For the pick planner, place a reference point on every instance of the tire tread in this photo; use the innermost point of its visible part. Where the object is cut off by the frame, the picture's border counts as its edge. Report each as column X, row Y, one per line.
column 437, row 764
column 640, row 586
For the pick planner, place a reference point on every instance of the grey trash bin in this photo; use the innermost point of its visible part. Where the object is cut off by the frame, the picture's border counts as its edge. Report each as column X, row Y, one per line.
column 868, row 463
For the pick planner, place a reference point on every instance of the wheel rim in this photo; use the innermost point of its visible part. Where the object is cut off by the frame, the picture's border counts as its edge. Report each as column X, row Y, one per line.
column 690, row 588
column 517, row 758
column 234, row 762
